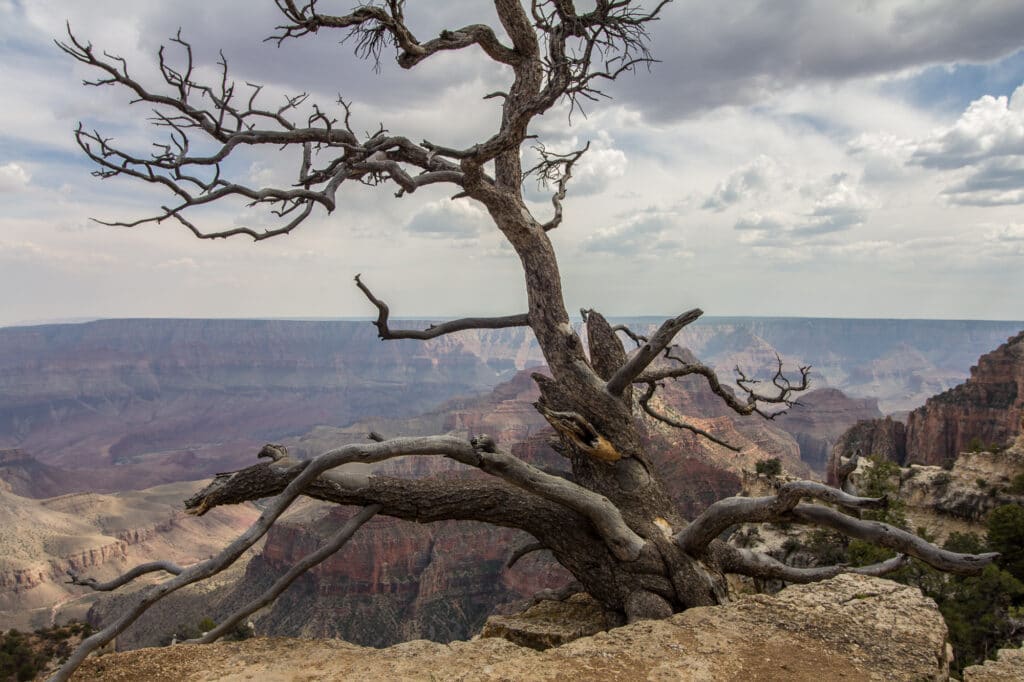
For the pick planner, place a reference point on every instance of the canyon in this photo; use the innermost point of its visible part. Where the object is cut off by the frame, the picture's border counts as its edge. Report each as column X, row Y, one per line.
column 128, row 404
column 985, row 412
column 125, row 404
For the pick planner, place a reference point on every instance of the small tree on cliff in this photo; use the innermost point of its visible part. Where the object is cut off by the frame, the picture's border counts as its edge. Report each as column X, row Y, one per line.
column 611, row 524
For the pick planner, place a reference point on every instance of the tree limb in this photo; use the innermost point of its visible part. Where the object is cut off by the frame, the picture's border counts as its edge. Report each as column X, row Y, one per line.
column 253, row 483
column 374, row 27
column 752, row 404
column 760, row 565
column 735, row 510
column 219, row 113
column 645, row 404
column 885, row 535
column 125, row 578
column 523, row 551
column 435, row 330
column 646, row 354
column 556, row 168
column 329, row 548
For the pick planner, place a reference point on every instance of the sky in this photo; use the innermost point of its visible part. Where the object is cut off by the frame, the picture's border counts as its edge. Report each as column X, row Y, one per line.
column 783, row 158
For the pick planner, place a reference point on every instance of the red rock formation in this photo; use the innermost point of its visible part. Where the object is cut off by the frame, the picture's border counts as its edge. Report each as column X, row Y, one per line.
column 987, row 407
column 822, row 416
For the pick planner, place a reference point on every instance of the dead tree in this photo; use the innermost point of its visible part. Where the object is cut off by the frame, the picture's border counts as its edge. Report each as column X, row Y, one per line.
column 612, row 525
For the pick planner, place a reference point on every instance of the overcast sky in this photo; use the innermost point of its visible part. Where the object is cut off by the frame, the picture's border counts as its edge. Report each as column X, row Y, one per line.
column 785, row 158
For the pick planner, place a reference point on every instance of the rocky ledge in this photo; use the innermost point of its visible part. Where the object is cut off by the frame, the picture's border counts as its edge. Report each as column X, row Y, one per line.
column 850, row 627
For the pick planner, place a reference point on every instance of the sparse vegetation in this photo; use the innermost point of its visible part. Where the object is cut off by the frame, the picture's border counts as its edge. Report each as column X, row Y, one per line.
column 24, row 655
column 982, row 612
column 769, row 467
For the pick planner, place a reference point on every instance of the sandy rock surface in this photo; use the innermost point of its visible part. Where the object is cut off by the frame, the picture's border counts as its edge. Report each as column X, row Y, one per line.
column 848, row 628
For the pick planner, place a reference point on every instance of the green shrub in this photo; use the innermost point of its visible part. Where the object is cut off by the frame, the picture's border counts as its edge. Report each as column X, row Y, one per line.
column 769, row 467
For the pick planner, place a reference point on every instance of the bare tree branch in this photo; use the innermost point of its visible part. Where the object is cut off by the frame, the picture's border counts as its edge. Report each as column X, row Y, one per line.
column 606, row 518
column 328, row 549
column 373, row 27
column 556, row 168
column 124, row 579
column 645, row 404
column 735, row 510
column 218, row 114
column 885, row 535
column 435, row 330
column 783, row 396
column 646, row 354
column 638, row 339
column 523, row 551
column 759, row 565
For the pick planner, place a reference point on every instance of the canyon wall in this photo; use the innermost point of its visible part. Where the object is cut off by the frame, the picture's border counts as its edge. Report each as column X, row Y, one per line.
column 985, row 412
column 126, row 404
column 985, row 409
column 100, row 536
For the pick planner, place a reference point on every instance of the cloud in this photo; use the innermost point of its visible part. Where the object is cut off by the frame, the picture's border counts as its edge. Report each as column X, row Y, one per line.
column 987, row 143
column 835, row 204
column 13, row 178
column 706, row 48
column 447, row 219
column 646, row 234
column 990, row 127
column 753, row 178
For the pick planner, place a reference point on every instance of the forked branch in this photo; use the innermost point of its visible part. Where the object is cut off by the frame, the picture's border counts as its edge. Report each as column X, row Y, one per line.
column 645, row 405
column 732, row 511
column 754, row 400
column 557, row 169
column 197, row 114
column 646, row 354
column 433, row 331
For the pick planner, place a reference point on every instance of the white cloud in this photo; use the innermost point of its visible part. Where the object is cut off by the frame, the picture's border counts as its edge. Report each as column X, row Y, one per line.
column 13, row 178
column 982, row 152
column 448, row 219
column 990, row 127
column 650, row 233
column 744, row 182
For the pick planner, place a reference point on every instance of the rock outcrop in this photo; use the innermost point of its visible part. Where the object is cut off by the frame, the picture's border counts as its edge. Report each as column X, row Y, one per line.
column 886, row 438
column 983, row 413
column 821, row 418
column 100, row 536
column 850, row 627
column 1008, row 666
column 986, row 409
column 957, row 499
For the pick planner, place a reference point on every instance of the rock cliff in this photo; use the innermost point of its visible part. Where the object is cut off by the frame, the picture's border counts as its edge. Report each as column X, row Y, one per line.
column 985, row 409
column 983, row 413
column 850, row 627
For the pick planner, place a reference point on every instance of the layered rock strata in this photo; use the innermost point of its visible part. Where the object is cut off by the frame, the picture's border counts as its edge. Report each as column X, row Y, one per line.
column 985, row 410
